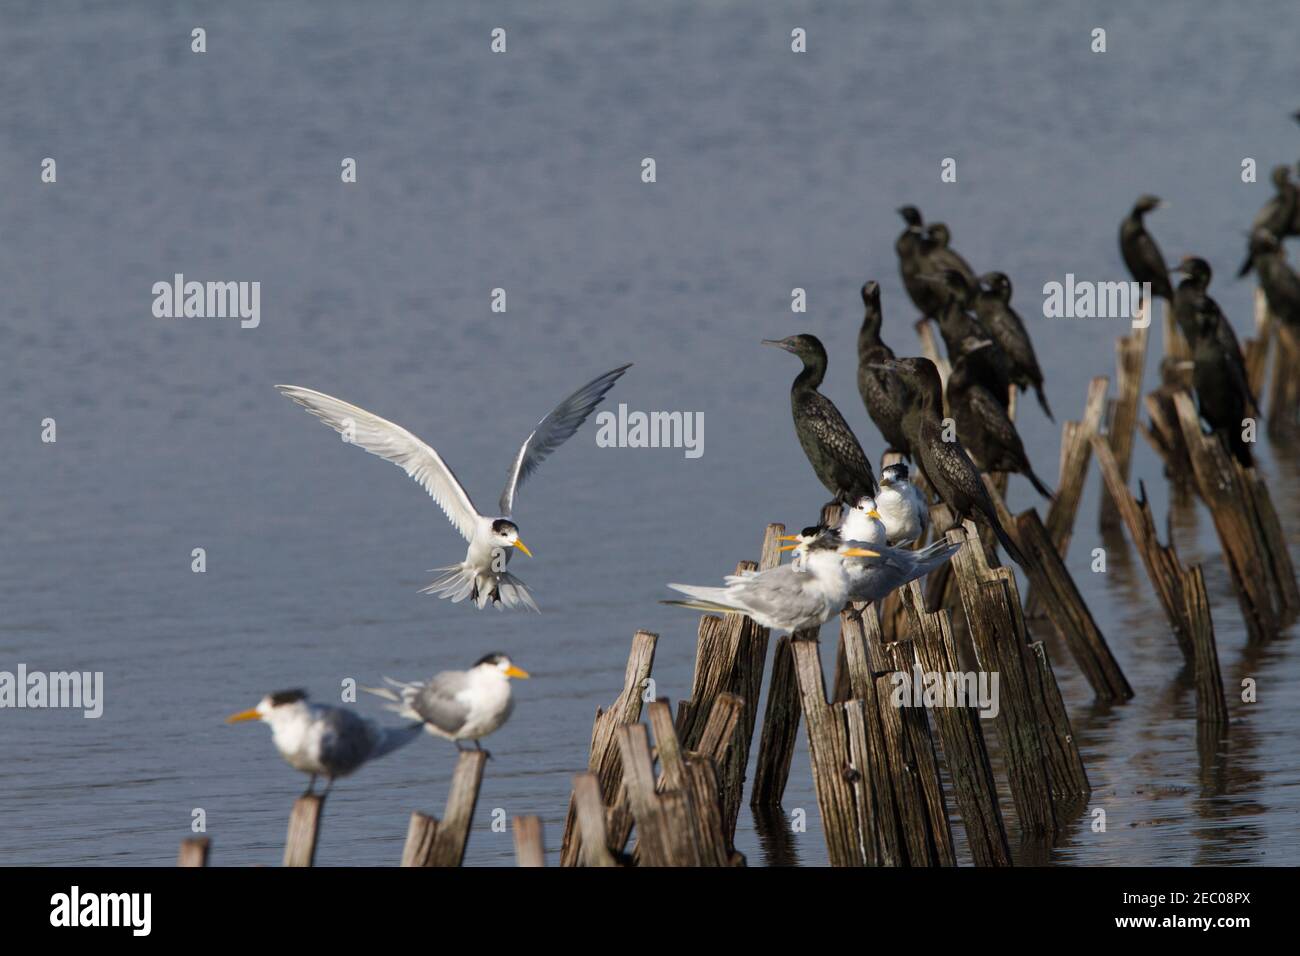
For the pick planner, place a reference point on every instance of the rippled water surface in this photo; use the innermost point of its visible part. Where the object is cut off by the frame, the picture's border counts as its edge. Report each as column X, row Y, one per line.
column 522, row 171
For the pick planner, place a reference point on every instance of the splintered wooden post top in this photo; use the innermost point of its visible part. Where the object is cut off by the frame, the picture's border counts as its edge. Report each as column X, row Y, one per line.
column 304, row 827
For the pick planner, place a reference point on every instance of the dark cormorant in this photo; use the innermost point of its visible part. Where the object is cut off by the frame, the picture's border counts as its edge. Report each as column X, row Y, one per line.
column 1280, row 215
column 825, row 436
column 962, row 332
column 1278, row 280
column 1221, row 396
column 1191, row 296
column 885, row 409
column 947, row 467
column 1141, row 255
column 939, row 257
column 908, row 246
column 993, row 307
column 984, row 427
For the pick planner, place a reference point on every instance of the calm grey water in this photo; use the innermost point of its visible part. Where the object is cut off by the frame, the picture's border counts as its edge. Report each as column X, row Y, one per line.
column 521, row 170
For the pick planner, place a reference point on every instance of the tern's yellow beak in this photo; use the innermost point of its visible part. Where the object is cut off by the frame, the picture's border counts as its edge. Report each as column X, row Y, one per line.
column 244, row 715
column 873, row 513
column 788, row 537
column 523, row 547
column 860, row 553
column 513, row 671
column 788, row 547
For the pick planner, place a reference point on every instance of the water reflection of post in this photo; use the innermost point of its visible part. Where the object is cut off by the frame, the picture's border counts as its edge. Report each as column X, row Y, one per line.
column 775, row 836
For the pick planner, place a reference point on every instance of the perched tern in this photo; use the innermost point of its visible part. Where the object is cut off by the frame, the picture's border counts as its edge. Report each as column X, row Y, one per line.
column 804, row 594
column 862, row 524
column 881, row 569
column 457, row 705
column 902, row 509
column 322, row 740
column 482, row 576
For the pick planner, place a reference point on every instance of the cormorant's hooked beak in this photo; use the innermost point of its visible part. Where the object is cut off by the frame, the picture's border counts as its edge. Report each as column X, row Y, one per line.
column 524, row 548
column 519, row 672
column 884, row 366
column 779, row 343
column 244, row 715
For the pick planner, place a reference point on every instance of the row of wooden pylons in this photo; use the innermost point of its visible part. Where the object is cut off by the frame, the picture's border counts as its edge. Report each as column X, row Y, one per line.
column 877, row 767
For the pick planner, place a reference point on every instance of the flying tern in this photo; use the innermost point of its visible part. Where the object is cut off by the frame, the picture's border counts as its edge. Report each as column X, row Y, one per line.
column 482, row 576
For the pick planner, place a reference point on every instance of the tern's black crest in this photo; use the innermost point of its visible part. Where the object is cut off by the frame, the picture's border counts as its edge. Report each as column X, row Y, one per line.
column 495, row 658
column 895, row 472
column 504, row 526
column 281, row 697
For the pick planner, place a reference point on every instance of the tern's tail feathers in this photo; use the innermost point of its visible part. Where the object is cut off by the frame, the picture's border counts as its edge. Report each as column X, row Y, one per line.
column 399, row 695
column 936, row 554
column 709, row 600
column 498, row 588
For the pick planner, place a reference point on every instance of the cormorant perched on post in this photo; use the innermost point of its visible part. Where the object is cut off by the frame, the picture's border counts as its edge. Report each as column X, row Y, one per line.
column 885, row 409
column 948, row 468
column 910, row 266
column 825, row 436
column 1221, row 396
column 1278, row 280
column 984, row 426
column 962, row 331
column 993, row 307
column 1140, row 252
column 1191, row 296
column 1280, row 215
column 937, row 255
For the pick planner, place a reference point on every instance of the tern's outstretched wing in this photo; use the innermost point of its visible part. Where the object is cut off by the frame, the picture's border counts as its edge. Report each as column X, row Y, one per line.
column 393, row 442
column 554, row 430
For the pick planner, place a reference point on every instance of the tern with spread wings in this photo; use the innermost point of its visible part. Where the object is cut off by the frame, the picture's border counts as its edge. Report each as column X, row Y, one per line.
column 482, row 576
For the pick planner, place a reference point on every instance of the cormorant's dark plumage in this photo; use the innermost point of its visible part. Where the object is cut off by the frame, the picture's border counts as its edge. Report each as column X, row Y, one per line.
column 908, row 246
column 1280, row 215
column 946, row 465
column 832, row 448
column 984, row 426
column 884, row 407
column 993, row 307
column 938, row 257
column 1140, row 252
column 1279, row 281
column 962, row 332
column 1221, row 397
column 1192, row 297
